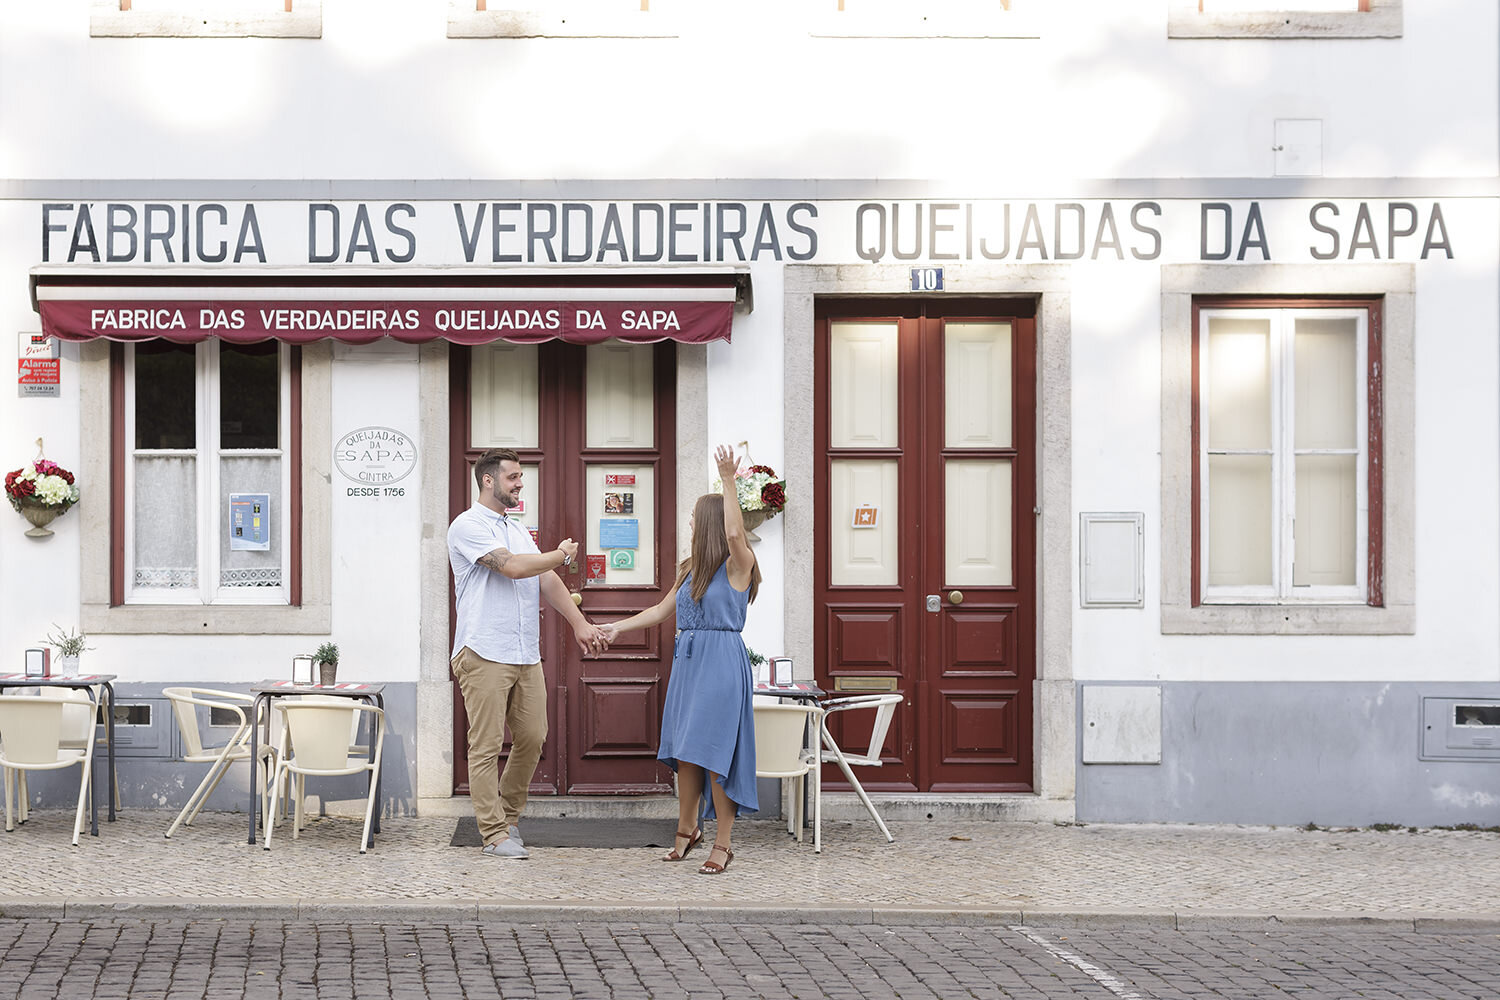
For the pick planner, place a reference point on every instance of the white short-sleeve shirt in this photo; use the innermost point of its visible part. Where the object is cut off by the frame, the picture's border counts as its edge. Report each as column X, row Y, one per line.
column 498, row 618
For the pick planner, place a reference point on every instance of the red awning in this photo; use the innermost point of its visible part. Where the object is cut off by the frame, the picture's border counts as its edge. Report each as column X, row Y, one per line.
column 464, row 309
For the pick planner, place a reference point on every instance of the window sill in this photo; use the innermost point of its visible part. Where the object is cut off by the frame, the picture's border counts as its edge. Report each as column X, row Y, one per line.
column 934, row 24
column 206, row 619
column 1382, row 20
column 106, row 20
column 1289, row 619
column 554, row 24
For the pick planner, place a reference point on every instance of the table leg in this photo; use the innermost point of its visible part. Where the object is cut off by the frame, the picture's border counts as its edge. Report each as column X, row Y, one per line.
column 109, row 743
column 93, row 781
column 255, row 709
column 379, row 806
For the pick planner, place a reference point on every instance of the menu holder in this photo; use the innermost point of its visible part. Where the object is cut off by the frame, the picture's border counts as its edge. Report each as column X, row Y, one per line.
column 302, row 669
column 781, row 671
column 39, row 663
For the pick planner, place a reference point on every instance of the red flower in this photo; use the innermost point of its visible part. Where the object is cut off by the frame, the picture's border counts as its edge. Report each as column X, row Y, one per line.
column 762, row 468
column 773, row 496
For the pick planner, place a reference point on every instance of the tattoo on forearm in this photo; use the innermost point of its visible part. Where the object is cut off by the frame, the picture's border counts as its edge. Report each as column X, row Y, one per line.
column 495, row 560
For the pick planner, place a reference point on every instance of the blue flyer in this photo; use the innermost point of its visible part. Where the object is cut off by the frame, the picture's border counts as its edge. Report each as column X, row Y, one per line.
column 619, row 533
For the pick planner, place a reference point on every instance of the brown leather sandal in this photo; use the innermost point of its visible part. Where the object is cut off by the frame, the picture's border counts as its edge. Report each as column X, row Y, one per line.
column 710, row 867
column 693, row 840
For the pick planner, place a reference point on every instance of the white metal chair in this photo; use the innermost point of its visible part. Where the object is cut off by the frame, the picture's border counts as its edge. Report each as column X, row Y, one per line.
column 884, row 706
column 781, row 752
column 185, row 703
column 318, row 733
column 32, row 737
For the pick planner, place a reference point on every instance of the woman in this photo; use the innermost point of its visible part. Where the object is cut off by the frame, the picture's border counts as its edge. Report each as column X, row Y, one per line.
column 708, row 726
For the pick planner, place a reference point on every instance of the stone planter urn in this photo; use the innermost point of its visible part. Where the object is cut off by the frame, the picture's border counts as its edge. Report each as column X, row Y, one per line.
column 40, row 515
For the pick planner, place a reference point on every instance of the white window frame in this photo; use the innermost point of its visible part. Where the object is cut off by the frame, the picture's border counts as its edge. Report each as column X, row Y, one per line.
column 206, row 19
column 928, row 19
column 1283, row 455
column 1382, row 20
column 209, row 488
column 564, row 18
column 1395, row 285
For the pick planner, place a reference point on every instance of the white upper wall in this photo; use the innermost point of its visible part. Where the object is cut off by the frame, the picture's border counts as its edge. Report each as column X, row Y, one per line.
column 744, row 90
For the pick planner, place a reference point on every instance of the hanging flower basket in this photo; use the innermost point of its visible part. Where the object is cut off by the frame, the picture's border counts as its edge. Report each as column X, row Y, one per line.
column 760, row 491
column 41, row 491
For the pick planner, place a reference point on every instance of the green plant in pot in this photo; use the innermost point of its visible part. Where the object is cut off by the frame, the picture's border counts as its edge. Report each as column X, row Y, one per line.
column 69, row 645
column 327, row 659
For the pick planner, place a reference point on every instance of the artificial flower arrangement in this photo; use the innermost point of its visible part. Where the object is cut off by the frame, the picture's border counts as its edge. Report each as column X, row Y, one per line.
column 41, row 483
column 761, row 492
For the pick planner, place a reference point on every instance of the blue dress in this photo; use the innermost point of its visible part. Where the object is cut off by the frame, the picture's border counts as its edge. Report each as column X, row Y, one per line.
column 708, row 718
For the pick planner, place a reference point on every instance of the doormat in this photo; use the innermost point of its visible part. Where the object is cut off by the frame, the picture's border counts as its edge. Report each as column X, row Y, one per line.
column 564, row 832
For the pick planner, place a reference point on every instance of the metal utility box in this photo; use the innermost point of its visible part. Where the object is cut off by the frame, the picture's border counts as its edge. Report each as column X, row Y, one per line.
column 143, row 728
column 1460, row 729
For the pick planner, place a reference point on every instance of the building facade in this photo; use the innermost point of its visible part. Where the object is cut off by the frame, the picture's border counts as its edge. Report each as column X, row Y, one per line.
column 1131, row 368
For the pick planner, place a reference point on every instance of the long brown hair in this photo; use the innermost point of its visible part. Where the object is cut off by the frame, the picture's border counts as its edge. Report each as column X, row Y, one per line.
column 710, row 548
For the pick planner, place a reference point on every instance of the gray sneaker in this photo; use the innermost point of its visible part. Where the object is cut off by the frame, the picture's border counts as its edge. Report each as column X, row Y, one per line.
column 506, row 849
column 515, row 835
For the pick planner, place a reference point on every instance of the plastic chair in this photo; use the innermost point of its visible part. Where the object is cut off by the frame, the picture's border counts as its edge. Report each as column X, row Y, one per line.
column 185, row 703
column 317, row 732
column 781, row 752
column 32, row 731
column 80, row 719
column 884, row 706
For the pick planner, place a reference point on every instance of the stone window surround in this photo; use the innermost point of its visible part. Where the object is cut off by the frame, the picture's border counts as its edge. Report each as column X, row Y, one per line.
column 199, row 19
column 1395, row 284
column 1382, row 20
column 313, row 617
column 1054, row 724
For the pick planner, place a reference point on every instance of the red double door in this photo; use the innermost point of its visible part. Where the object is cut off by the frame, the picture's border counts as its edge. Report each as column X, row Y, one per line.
column 595, row 429
column 925, row 566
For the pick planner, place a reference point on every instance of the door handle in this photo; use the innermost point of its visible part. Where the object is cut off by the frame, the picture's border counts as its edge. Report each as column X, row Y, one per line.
column 956, row 596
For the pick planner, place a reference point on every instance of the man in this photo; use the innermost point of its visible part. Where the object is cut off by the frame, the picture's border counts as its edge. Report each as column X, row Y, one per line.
column 500, row 575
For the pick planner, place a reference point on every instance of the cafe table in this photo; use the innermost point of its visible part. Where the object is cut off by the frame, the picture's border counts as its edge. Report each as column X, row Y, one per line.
column 87, row 683
column 267, row 691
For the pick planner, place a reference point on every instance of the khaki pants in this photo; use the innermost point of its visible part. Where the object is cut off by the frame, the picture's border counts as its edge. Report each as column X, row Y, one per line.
column 496, row 695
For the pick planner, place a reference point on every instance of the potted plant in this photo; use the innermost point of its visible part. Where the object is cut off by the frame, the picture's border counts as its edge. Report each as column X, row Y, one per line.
column 40, row 491
column 327, row 659
column 69, row 646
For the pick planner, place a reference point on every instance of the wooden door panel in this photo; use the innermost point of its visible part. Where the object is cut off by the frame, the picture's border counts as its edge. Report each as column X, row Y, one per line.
column 979, row 643
column 980, row 729
column 864, row 639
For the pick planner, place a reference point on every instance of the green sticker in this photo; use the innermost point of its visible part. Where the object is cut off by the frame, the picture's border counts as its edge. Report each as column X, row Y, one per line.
column 622, row 558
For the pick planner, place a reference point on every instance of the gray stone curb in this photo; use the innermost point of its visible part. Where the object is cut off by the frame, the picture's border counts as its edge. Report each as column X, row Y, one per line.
column 479, row 910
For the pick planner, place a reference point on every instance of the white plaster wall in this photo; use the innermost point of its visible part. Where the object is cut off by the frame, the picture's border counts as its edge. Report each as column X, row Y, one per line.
column 746, row 403
column 377, row 540
column 1117, row 337
column 744, row 91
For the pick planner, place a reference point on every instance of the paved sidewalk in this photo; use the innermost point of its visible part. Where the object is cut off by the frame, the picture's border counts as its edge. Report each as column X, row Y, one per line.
column 1178, row 876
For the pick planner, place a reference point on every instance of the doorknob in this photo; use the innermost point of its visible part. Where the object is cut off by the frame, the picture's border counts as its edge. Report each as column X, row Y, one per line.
column 956, row 596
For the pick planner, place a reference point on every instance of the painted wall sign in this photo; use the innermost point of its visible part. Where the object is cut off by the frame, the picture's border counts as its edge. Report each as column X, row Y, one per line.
column 375, row 456
column 438, row 233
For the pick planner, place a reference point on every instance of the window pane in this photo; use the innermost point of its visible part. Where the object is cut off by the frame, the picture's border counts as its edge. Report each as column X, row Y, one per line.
column 166, row 513
column 1326, row 356
column 866, row 555
column 249, row 567
column 1326, row 545
column 977, row 385
column 1278, row 6
column 619, row 396
column 977, row 523
column 249, row 396
column 863, row 404
column 165, row 395
column 1238, row 374
column 1239, row 520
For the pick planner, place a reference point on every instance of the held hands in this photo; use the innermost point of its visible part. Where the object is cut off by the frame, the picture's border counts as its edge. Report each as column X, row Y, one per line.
column 591, row 638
